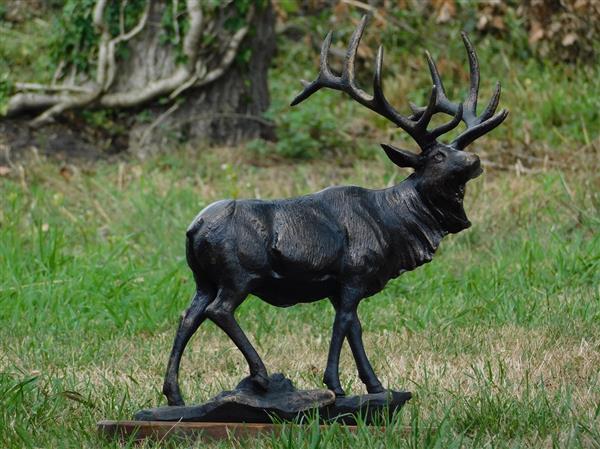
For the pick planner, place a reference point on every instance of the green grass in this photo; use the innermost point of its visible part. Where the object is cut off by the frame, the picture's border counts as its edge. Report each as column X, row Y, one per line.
column 499, row 337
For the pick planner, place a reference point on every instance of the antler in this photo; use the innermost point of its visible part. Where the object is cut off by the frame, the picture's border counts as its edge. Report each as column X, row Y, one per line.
column 415, row 126
column 476, row 125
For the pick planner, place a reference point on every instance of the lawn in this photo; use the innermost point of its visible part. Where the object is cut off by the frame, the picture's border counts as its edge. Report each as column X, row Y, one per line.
column 498, row 338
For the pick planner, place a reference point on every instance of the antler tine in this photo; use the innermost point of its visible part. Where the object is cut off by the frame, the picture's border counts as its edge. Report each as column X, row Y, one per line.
column 476, row 125
column 479, row 130
column 471, row 102
column 417, row 129
column 348, row 71
column 347, row 83
column 429, row 110
column 443, row 129
column 442, row 102
column 381, row 104
column 486, row 121
column 493, row 104
column 324, row 76
column 438, row 103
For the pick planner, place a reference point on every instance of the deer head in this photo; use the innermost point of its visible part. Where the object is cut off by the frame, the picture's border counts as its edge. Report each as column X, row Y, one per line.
column 438, row 164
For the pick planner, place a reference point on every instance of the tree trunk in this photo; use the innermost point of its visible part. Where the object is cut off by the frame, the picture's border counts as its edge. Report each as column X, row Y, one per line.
column 202, row 83
column 225, row 112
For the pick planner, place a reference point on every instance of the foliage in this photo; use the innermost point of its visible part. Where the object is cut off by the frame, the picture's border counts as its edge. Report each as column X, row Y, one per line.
column 536, row 90
column 307, row 132
column 74, row 39
column 567, row 30
column 5, row 92
column 498, row 337
column 174, row 23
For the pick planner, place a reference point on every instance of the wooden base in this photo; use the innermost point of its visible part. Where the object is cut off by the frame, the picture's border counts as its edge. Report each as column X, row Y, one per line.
column 161, row 430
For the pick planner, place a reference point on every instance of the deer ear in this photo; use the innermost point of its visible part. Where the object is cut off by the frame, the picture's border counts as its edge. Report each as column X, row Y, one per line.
column 400, row 157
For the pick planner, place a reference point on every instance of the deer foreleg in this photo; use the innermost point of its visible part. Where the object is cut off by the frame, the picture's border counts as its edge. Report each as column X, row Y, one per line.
column 345, row 308
column 365, row 370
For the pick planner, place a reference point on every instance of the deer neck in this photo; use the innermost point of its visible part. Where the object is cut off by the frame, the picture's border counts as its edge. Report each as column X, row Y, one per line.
column 446, row 203
column 438, row 206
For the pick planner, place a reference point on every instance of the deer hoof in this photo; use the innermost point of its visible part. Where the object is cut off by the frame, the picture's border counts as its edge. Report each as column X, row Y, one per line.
column 339, row 392
column 261, row 381
column 334, row 385
column 375, row 389
column 173, row 396
column 175, row 402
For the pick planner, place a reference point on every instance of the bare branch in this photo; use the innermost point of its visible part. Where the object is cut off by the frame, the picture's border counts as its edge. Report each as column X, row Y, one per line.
column 98, row 20
column 51, row 88
column 183, row 77
column 151, row 91
column 98, row 15
column 77, row 101
column 190, row 82
column 58, row 73
column 73, row 102
column 122, row 9
column 191, row 41
column 161, row 118
column 138, row 27
column 370, row 9
column 27, row 102
column 228, row 58
column 175, row 21
column 123, row 37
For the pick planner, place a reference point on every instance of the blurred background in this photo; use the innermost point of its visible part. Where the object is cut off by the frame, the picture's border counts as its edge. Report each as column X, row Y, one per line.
column 120, row 79
column 121, row 119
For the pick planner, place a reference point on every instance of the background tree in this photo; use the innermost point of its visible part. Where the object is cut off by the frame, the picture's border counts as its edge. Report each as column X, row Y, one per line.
column 196, row 68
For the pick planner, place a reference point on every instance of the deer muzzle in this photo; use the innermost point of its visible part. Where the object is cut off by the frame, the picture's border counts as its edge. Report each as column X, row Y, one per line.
column 474, row 165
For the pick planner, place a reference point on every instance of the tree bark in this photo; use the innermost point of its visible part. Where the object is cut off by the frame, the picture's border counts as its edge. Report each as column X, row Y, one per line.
column 176, row 92
column 225, row 112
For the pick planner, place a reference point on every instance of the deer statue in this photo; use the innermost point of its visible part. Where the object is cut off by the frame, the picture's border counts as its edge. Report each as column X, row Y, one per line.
column 342, row 243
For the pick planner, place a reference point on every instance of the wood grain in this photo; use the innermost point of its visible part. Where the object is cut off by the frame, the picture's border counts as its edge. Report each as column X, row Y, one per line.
column 161, row 430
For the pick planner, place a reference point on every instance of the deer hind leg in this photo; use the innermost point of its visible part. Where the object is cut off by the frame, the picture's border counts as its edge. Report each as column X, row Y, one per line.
column 190, row 320
column 221, row 313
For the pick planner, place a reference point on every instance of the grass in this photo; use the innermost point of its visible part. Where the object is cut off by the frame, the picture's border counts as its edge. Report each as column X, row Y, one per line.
column 499, row 337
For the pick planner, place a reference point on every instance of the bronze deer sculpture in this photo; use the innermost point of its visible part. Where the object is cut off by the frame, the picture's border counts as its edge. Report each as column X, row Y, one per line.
column 342, row 243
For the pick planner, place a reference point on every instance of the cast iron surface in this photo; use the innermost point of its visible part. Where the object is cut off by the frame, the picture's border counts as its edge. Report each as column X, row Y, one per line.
column 280, row 401
column 342, row 243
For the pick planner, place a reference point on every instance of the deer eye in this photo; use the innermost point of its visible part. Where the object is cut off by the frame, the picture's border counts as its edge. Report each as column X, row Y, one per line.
column 439, row 157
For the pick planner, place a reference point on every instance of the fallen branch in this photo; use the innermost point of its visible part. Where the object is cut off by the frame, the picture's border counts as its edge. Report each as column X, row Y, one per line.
column 21, row 103
column 123, row 37
column 50, row 87
column 161, row 118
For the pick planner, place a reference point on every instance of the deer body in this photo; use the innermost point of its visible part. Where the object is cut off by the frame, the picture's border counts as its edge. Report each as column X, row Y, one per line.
column 362, row 236
column 342, row 243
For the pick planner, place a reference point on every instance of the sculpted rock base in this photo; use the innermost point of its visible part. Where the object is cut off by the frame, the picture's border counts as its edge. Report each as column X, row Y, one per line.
column 282, row 402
